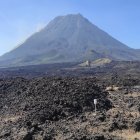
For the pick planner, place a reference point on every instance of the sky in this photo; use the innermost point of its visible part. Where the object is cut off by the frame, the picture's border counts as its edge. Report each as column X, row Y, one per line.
column 21, row 18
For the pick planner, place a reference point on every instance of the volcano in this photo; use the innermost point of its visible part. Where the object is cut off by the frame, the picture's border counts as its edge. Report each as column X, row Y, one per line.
column 70, row 38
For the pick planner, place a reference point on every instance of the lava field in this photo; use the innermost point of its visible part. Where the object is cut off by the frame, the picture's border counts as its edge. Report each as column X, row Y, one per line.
column 51, row 107
column 25, row 104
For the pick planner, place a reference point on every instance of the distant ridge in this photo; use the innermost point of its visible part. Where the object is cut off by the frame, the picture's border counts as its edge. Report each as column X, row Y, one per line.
column 70, row 38
column 99, row 62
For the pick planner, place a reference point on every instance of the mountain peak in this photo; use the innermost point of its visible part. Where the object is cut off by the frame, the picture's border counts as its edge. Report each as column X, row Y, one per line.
column 68, row 17
column 73, row 15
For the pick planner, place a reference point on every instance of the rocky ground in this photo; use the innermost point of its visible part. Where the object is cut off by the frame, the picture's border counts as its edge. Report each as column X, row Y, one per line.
column 48, row 107
column 62, row 108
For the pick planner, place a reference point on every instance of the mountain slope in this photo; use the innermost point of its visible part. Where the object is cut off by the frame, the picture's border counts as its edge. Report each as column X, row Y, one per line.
column 68, row 38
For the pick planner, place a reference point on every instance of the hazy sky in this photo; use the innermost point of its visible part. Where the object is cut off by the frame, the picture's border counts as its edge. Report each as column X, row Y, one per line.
column 20, row 18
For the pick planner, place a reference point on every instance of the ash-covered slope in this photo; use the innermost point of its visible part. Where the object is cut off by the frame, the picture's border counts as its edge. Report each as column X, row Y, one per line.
column 70, row 38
